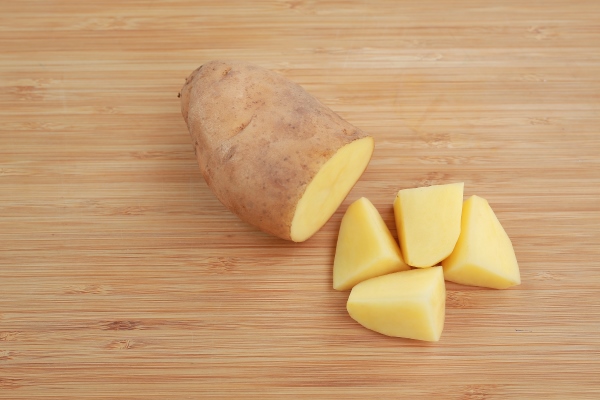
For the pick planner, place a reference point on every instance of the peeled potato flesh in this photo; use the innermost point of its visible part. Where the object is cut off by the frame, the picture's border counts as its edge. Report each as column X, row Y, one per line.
column 484, row 255
column 428, row 222
column 365, row 247
column 409, row 304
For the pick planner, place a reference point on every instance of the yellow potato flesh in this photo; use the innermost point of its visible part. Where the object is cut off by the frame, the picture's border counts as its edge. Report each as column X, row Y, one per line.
column 428, row 222
column 484, row 255
column 409, row 304
column 329, row 188
column 365, row 247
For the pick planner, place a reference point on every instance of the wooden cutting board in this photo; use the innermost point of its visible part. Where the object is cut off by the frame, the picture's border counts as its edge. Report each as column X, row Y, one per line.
column 121, row 276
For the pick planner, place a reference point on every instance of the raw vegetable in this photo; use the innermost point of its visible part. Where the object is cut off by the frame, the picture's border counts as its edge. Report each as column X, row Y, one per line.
column 484, row 255
column 409, row 304
column 271, row 153
column 432, row 221
column 365, row 247
column 428, row 222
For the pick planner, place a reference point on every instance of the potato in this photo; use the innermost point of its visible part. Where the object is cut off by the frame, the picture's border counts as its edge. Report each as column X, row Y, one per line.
column 271, row 153
column 365, row 247
column 428, row 222
column 484, row 255
column 409, row 304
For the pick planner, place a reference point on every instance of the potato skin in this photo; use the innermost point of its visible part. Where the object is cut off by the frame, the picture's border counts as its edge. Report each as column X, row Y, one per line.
column 259, row 139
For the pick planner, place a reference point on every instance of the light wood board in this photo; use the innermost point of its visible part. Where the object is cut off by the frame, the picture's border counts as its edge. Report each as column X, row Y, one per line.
column 121, row 276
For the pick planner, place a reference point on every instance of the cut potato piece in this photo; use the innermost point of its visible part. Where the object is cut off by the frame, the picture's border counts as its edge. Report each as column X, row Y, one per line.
column 365, row 247
column 484, row 255
column 428, row 222
column 271, row 153
column 409, row 304
column 330, row 187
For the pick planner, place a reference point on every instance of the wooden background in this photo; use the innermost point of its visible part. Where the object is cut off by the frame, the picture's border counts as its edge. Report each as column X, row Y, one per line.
column 121, row 276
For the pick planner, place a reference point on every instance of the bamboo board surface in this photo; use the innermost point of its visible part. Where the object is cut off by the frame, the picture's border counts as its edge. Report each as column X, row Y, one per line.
column 121, row 276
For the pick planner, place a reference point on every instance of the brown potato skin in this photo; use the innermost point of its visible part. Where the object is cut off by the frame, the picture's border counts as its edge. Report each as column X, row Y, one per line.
column 259, row 139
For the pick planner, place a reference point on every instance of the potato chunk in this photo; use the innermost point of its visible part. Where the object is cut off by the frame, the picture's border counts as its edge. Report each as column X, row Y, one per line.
column 428, row 222
column 484, row 255
column 365, row 247
column 409, row 304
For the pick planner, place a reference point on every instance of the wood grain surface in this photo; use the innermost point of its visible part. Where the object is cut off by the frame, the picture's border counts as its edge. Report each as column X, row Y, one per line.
column 121, row 276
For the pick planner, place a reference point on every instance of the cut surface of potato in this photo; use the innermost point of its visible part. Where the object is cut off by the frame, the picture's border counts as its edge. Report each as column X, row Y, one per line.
column 484, row 255
column 365, row 247
column 428, row 222
column 330, row 187
column 409, row 304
